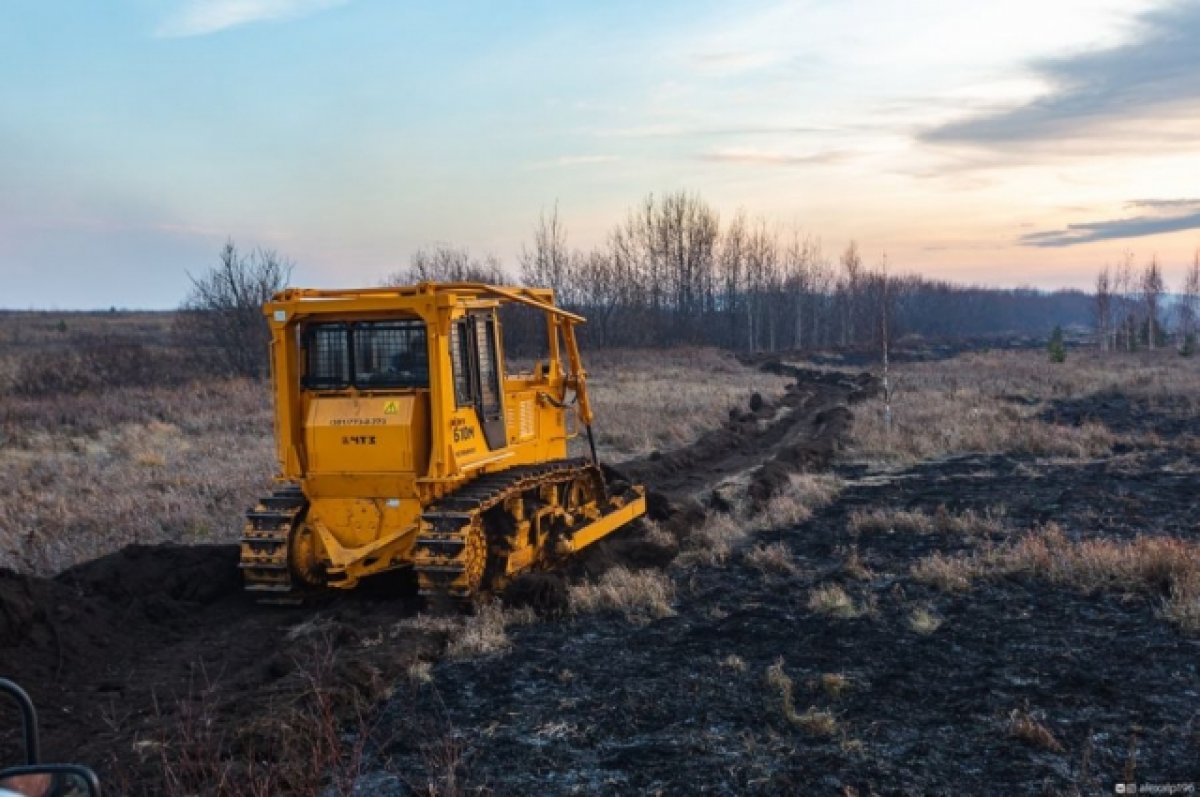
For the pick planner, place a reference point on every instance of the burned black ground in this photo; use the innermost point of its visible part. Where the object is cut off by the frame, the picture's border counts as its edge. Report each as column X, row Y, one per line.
column 594, row 705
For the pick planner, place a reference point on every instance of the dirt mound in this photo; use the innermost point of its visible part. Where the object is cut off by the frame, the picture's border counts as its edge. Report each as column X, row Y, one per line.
column 159, row 645
column 752, row 454
column 65, row 618
column 22, row 606
column 545, row 593
column 160, row 580
column 801, row 431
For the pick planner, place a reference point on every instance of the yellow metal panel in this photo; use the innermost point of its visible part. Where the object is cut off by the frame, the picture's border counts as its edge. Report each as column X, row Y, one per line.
column 521, row 416
column 356, row 522
column 607, row 524
column 368, row 434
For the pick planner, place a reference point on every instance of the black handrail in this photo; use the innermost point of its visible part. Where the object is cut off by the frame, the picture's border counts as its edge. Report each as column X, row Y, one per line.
column 28, row 718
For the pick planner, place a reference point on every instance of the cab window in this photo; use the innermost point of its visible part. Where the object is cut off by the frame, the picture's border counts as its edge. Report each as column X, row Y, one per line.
column 366, row 355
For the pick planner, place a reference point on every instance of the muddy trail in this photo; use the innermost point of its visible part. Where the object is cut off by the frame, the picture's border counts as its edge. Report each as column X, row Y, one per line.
column 693, row 704
column 151, row 665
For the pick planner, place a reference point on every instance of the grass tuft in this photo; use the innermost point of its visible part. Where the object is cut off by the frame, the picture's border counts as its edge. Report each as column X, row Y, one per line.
column 833, row 601
column 483, row 634
column 772, row 560
column 641, row 595
column 923, row 621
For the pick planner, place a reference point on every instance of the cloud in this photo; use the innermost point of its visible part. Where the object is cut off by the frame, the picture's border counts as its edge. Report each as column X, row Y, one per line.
column 738, row 155
column 202, row 17
column 1186, row 216
column 731, row 63
column 1157, row 204
column 1157, row 69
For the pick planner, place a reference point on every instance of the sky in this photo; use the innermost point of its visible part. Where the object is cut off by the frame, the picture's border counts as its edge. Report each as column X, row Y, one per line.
column 1017, row 143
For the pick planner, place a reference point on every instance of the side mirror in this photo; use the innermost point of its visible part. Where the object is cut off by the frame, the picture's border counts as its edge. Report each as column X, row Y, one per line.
column 49, row 780
column 28, row 718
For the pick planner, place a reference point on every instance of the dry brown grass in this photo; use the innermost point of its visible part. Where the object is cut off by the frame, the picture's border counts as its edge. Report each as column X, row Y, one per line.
column 772, row 560
column 484, row 632
column 1152, row 565
column 420, row 671
column 86, row 475
column 988, row 402
column 854, row 567
column 711, row 544
column 720, row 535
column 783, row 511
column 947, row 573
column 942, row 521
column 1024, row 726
column 814, row 721
column 833, row 601
column 641, row 595
column 833, row 684
column 801, row 496
column 659, row 399
column 814, row 490
column 733, row 663
column 924, row 621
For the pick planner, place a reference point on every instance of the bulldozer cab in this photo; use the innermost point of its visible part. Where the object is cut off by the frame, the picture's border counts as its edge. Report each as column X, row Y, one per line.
column 413, row 381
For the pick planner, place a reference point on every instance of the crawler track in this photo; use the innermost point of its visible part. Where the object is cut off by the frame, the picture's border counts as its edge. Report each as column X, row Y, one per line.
column 462, row 547
column 266, row 571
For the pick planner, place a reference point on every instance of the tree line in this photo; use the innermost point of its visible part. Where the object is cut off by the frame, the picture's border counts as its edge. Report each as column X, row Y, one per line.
column 671, row 272
column 1132, row 311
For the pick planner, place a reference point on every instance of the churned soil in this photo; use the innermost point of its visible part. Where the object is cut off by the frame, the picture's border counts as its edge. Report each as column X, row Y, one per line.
column 151, row 661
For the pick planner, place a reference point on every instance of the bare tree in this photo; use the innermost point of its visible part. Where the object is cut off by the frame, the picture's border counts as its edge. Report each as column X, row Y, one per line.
column 1104, row 307
column 762, row 253
column 852, row 287
column 1189, row 306
column 1152, row 291
column 605, row 288
column 733, row 273
column 799, row 259
column 548, row 264
column 223, row 310
column 1123, row 290
column 445, row 263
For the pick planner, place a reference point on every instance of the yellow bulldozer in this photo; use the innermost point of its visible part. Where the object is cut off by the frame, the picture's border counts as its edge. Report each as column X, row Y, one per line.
column 403, row 440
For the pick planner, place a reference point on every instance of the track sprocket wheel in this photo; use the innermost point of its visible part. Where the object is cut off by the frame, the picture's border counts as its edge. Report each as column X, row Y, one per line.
column 306, row 568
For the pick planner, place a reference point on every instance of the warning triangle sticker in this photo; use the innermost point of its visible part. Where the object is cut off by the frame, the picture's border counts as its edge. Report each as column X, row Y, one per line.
column 389, row 408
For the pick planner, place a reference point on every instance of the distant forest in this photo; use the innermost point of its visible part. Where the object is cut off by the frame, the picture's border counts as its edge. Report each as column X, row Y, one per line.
column 671, row 273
